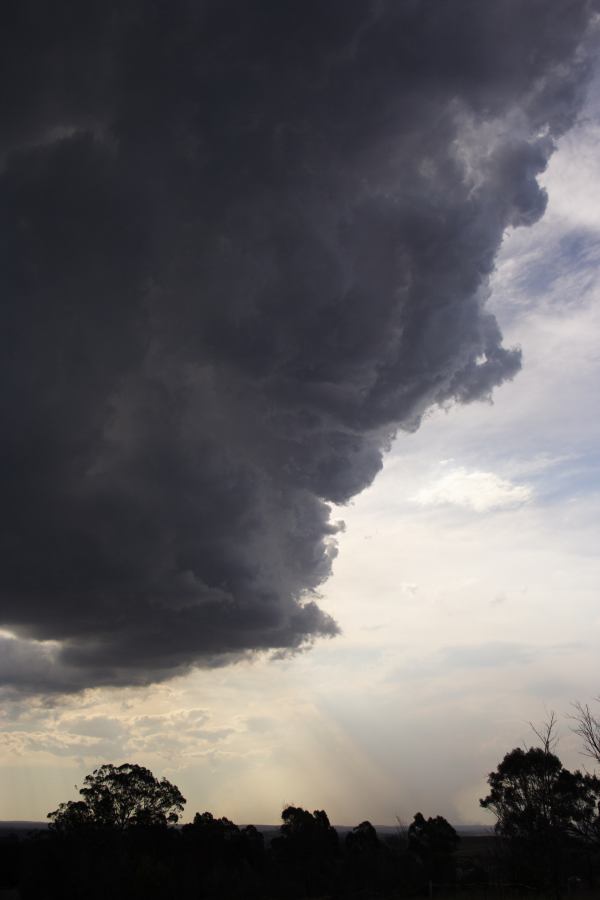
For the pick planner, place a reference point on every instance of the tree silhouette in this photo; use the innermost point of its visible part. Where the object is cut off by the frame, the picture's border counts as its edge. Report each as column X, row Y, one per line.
column 541, row 809
column 362, row 839
column 120, row 797
column 434, row 841
column 308, row 833
column 532, row 795
column 306, row 851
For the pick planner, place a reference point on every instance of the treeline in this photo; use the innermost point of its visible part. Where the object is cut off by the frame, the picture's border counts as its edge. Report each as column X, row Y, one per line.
column 122, row 840
column 307, row 858
column 215, row 858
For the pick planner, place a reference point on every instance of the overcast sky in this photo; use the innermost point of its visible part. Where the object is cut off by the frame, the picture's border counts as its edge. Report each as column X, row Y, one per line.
column 268, row 273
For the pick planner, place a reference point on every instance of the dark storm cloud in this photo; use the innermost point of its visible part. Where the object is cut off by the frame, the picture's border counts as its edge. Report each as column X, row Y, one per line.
column 243, row 244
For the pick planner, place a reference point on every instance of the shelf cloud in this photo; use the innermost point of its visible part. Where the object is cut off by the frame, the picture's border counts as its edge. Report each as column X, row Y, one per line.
column 243, row 245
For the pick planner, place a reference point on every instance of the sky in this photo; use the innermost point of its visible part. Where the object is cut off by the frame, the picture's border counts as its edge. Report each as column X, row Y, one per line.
column 300, row 399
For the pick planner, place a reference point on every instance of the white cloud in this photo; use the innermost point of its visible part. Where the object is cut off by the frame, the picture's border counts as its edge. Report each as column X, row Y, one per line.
column 479, row 491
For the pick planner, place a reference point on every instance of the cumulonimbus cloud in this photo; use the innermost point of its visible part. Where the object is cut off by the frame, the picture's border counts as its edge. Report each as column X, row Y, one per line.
column 243, row 244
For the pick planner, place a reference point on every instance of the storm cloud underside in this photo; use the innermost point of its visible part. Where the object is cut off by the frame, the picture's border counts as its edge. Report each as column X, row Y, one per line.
column 243, row 244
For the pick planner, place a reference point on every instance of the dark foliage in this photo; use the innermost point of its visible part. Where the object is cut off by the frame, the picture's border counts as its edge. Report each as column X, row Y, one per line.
column 306, row 851
column 221, row 857
column 434, row 843
column 120, row 797
column 116, row 842
column 545, row 814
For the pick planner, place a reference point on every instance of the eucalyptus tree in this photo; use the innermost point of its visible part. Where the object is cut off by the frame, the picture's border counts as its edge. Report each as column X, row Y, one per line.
column 120, row 797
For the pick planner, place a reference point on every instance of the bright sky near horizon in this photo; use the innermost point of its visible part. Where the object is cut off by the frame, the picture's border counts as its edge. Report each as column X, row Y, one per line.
column 466, row 587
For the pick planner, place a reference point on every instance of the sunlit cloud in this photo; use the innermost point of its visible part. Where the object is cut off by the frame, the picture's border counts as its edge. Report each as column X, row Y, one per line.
column 479, row 491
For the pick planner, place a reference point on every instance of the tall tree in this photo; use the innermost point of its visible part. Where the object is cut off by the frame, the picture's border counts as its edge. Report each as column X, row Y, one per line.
column 120, row 797
column 541, row 809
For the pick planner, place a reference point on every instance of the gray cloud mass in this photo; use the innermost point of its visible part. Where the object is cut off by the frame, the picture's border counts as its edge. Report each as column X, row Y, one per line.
column 243, row 244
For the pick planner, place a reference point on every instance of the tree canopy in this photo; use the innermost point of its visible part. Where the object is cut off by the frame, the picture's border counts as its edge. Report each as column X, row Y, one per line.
column 432, row 835
column 120, row 797
column 533, row 795
column 543, row 812
column 434, row 842
column 306, row 833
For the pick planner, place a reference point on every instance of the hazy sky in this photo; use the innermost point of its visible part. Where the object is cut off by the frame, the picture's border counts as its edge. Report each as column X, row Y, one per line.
column 245, row 247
